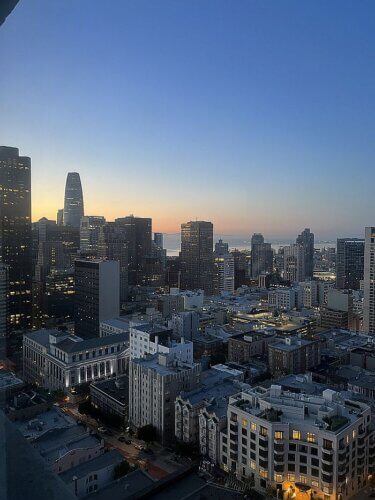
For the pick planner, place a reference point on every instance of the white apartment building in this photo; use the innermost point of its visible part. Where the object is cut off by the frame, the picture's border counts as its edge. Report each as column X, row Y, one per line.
column 154, row 384
column 57, row 360
column 224, row 274
column 285, row 299
column 299, row 444
column 369, row 282
column 152, row 339
column 323, row 288
column 310, row 296
column 216, row 384
column 192, row 299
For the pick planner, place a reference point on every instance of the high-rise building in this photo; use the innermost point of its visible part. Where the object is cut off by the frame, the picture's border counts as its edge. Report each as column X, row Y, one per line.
column 294, row 263
column 306, row 239
column 240, row 268
column 15, row 233
column 97, row 295
column 89, row 233
column 223, row 273
column 112, row 245
column 60, row 217
column 137, row 232
column 349, row 262
column 369, row 281
column 73, row 200
column 261, row 256
column 4, row 298
column 221, row 248
column 158, row 240
column 197, row 256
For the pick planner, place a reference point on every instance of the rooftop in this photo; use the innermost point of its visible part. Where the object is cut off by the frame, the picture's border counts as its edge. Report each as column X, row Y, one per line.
column 329, row 412
column 8, row 380
column 104, row 460
column 51, row 419
column 121, row 323
column 124, row 488
column 72, row 343
column 290, row 344
column 152, row 363
column 116, row 388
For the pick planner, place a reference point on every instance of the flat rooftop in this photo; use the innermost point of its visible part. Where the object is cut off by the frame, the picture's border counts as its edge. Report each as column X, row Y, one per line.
column 54, row 418
column 112, row 457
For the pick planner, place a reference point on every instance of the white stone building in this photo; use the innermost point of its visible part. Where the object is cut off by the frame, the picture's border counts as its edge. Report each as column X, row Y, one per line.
column 57, row 360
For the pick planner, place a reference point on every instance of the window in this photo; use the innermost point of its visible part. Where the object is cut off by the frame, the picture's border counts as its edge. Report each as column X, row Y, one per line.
column 291, row 477
column 291, row 467
column 291, row 457
column 311, row 438
column 244, row 431
column 252, row 465
column 296, row 435
column 327, row 444
column 263, row 431
column 315, row 483
column 263, row 473
column 354, row 433
column 303, row 479
column 253, row 426
column 315, row 472
column 279, row 435
column 303, row 469
column 278, row 478
column 244, row 422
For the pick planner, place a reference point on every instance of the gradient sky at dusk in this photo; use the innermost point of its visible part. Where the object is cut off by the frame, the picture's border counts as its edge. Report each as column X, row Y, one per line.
column 256, row 115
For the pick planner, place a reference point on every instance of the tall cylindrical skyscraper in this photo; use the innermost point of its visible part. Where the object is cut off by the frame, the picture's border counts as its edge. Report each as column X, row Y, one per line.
column 73, row 201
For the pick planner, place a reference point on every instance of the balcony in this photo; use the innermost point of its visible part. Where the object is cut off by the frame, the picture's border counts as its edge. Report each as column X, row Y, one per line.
column 278, row 458
column 327, row 468
column 328, row 458
column 233, row 428
column 279, row 448
column 327, row 478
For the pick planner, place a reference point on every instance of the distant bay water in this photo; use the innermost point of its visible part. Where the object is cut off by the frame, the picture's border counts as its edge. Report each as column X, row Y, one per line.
column 172, row 242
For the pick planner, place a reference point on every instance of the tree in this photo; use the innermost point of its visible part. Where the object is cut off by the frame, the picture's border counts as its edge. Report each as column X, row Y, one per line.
column 147, row 433
column 121, row 470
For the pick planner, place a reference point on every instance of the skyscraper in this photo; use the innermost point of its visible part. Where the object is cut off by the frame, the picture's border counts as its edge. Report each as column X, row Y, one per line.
column 73, row 200
column 306, row 239
column 197, row 256
column 369, row 281
column 4, row 300
column 349, row 262
column 15, row 233
column 97, row 295
column 112, row 246
column 223, row 273
column 60, row 217
column 221, row 248
column 261, row 256
column 138, row 236
column 89, row 232
column 294, row 262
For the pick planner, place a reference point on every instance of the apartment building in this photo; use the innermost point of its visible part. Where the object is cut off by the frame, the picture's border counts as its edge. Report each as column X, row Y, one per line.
column 151, row 339
column 319, row 446
column 154, row 384
column 293, row 355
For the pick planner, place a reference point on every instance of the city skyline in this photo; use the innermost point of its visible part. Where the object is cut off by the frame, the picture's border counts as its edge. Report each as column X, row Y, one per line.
column 242, row 130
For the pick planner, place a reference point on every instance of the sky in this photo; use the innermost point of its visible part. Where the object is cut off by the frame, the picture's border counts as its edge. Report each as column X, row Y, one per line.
column 258, row 115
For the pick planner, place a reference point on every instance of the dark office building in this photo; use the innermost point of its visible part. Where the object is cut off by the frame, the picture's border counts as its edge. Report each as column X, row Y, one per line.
column 173, row 272
column 138, row 236
column 261, row 256
column 241, row 276
column 306, row 239
column 73, row 200
column 112, row 245
column 58, row 299
column 15, row 233
column 97, row 295
column 221, row 248
column 197, row 256
column 349, row 263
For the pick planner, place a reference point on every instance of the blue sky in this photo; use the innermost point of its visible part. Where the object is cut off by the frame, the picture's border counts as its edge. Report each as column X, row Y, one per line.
column 257, row 115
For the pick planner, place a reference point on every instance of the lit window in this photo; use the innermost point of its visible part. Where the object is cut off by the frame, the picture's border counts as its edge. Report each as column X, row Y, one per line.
column 296, row 435
column 315, row 483
column 347, row 439
column 302, row 479
column 252, row 465
column 354, row 433
column 311, row 438
column 279, row 435
column 278, row 478
column 263, row 473
column 244, row 422
column 263, row 431
column 253, row 426
column 291, row 477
